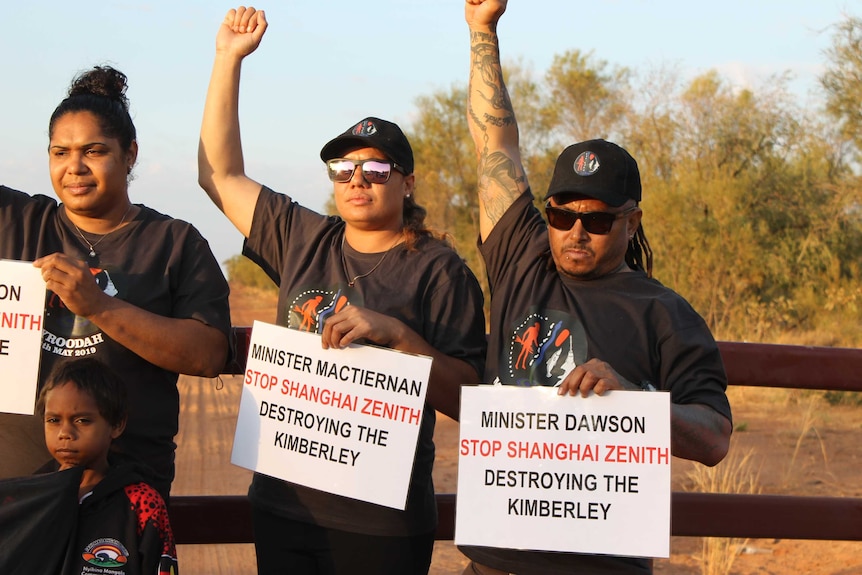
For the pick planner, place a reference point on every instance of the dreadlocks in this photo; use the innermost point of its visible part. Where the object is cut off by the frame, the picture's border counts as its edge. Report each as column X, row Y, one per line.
column 639, row 253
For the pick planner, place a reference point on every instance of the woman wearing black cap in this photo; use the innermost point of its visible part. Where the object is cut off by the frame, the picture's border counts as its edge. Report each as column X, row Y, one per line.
column 375, row 275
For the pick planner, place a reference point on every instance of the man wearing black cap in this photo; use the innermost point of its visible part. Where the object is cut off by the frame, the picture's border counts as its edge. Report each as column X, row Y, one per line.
column 375, row 275
column 572, row 301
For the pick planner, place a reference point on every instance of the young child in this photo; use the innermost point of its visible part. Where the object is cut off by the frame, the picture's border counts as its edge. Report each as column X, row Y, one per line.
column 122, row 521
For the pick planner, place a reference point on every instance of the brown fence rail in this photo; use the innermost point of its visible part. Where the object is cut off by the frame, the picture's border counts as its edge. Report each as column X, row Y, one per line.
column 201, row 519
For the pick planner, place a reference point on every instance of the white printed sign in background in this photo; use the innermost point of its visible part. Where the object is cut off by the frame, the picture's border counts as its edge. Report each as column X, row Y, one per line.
column 549, row 473
column 345, row 421
column 22, row 309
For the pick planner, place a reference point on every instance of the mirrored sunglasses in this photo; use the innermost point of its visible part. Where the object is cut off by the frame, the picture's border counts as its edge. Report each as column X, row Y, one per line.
column 374, row 171
column 596, row 223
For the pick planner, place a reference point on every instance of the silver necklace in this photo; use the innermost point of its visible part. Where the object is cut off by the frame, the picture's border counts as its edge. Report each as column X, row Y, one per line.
column 352, row 282
column 93, row 246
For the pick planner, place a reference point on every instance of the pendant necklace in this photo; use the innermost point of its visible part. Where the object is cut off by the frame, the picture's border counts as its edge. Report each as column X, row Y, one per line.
column 92, row 246
column 352, row 282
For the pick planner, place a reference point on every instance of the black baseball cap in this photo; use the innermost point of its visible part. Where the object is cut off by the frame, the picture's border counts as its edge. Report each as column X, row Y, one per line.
column 598, row 169
column 372, row 133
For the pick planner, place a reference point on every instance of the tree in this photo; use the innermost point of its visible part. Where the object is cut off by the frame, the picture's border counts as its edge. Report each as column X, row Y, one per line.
column 842, row 80
column 747, row 206
column 587, row 98
column 446, row 172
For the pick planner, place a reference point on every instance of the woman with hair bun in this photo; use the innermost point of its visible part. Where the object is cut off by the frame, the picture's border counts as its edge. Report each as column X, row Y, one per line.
column 135, row 288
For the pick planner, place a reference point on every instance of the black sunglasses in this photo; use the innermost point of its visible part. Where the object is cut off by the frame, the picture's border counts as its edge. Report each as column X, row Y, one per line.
column 374, row 171
column 596, row 223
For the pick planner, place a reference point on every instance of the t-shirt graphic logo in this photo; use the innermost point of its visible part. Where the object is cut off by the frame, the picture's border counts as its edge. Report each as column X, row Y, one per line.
column 70, row 335
column 104, row 281
column 308, row 313
column 528, row 342
column 543, row 349
column 310, row 309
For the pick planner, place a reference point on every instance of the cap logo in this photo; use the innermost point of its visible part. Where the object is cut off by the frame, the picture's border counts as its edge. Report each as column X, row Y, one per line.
column 364, row 128
column 586, row 164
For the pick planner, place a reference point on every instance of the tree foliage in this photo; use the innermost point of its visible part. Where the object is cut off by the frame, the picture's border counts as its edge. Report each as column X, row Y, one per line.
column 587, row 97
column 842, row 80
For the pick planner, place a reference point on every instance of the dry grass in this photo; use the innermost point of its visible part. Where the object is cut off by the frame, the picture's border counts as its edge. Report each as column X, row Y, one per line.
column 809, row 415
column 803, row 411
column 759, row 396
column 736, row 474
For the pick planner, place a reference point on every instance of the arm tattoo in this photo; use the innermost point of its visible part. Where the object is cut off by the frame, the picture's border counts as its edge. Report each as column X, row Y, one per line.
column 498, row 184
column 494, row 118
column 486, row 61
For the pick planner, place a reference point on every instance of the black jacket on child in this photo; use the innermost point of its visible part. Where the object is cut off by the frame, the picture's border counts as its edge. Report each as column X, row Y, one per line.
column 121, row 526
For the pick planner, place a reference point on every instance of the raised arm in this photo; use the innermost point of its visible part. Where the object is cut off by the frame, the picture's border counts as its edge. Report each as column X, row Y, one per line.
column 221, row 169
column 491, row 117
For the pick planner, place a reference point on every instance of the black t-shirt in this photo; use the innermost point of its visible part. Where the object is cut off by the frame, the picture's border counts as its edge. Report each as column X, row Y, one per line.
column 156, row 263
column 429, row 288
column 543, row 324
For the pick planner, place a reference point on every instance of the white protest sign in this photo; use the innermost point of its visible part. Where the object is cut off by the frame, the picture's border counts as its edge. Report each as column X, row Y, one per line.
column 22, row 308
column 345, row 421
column 548, row 473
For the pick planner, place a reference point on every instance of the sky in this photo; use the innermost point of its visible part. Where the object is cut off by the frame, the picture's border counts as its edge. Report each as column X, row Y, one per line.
column 325, row 64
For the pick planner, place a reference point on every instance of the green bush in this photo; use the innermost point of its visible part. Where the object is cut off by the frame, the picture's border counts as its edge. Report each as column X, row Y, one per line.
column 843, row 397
